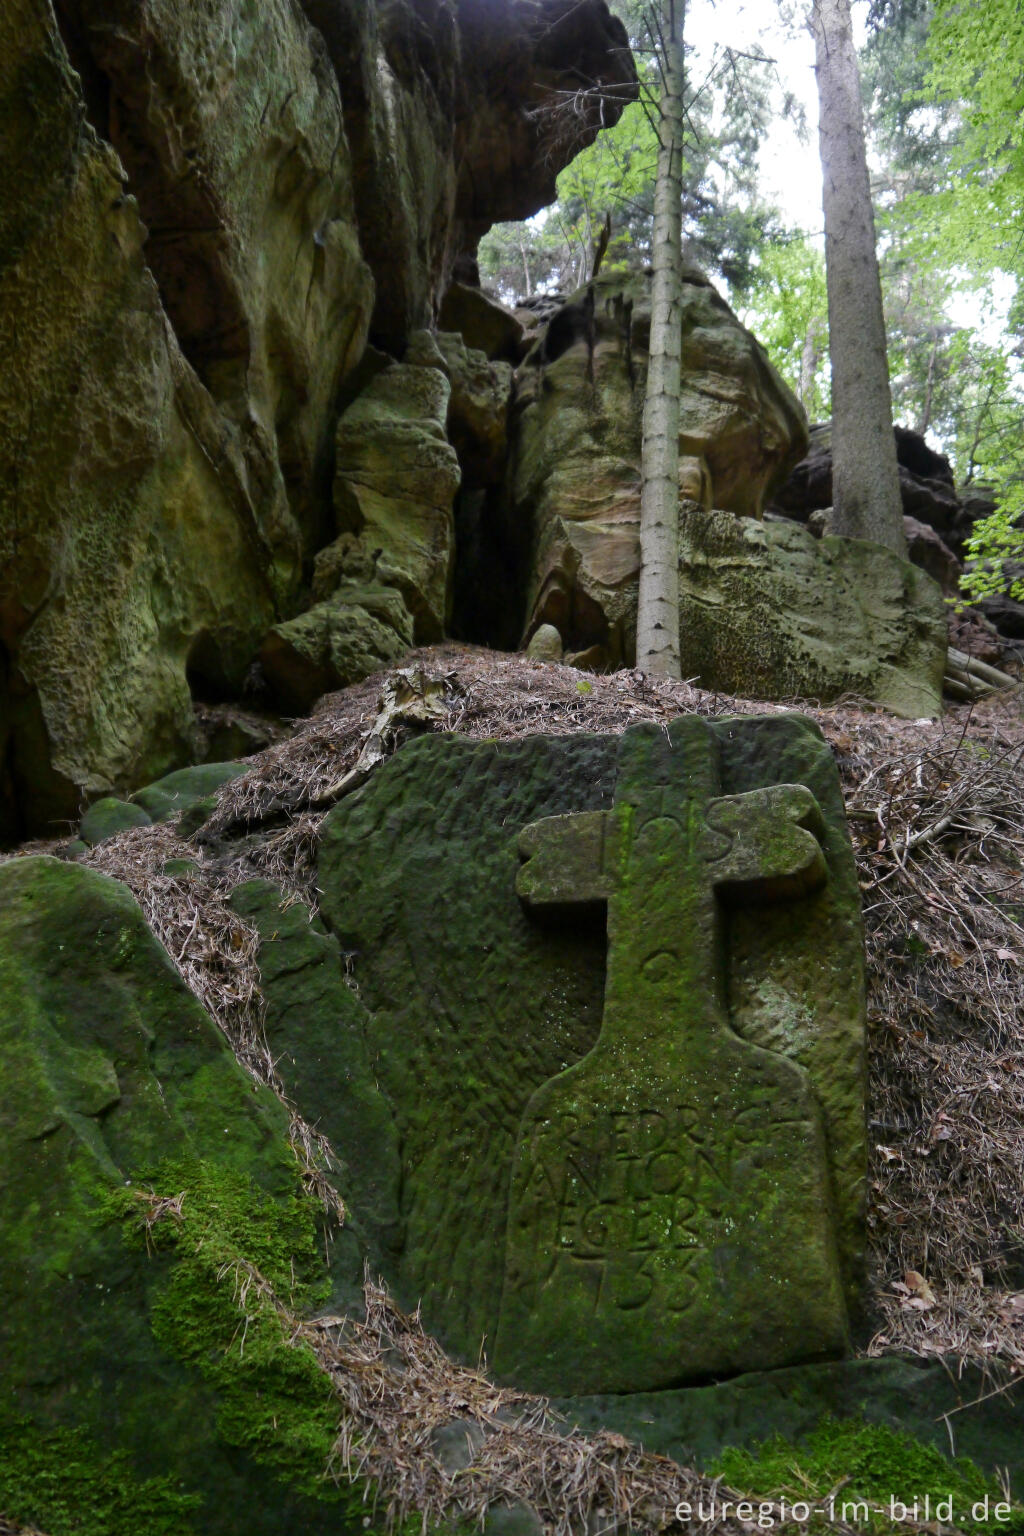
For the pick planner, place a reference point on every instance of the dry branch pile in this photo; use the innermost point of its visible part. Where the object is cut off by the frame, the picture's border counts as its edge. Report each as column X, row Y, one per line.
column 937, row 817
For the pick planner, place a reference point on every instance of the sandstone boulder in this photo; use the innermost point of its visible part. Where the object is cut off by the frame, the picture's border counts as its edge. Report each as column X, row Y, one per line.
column 362, row 626
column 927, row 549
column 768, row 610
column 478, row 410
column 139, row 1164
column 575, row 471
column 483, row 323
column 545, row 644
column 478, row 1006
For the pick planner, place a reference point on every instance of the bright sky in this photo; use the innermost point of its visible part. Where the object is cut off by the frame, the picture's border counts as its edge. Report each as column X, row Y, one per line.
column 790, row 168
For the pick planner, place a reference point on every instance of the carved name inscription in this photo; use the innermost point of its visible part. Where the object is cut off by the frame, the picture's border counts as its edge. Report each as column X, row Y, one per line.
column 641, row 1197
column 669, row 1215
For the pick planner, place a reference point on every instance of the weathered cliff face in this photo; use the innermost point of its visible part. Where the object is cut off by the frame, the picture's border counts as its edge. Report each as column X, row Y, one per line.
column 575, row 477
column 209, row 209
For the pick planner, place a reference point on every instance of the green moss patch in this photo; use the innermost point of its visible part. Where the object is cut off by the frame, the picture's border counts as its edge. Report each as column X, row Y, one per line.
column 872, row 1477
column 58, row 1479
column 235, row 1252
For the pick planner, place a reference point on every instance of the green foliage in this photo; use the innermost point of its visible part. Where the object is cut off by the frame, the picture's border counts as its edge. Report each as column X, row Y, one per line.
column 948, row 119
column 943, row 89
column 976, row 51
column 996, row 550
column 869, row 1463
column 59, row 1480
column 787, row 309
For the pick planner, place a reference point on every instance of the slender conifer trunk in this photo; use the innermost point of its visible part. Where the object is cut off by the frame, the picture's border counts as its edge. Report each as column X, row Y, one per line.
column 865, row 477
column 657, row 635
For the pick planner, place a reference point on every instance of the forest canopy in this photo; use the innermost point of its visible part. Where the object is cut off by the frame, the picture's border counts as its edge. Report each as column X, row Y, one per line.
column 943, row 93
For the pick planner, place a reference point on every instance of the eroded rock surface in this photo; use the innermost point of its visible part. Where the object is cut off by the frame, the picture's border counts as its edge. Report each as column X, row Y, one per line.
column 479, row 1013
column 768, row 609
column 575, row 474
column 207, row 211
column 131, row 527
column 120, row 1341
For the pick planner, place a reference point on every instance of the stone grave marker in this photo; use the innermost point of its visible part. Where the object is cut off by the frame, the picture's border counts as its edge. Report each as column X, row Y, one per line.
column 612, row 997
column 669, row 1211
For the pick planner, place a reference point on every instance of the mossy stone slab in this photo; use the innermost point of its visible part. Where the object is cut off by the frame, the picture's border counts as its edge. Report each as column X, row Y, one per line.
column 317, row 1031
column 108, row 817
column 945, row 1406
column 670, row 1215
column 110, row 1074
column 476, row 1010
column 186, row 788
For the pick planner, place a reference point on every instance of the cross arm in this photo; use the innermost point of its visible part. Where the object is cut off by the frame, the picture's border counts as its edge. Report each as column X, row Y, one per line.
column 570, row 862
column 766, row 843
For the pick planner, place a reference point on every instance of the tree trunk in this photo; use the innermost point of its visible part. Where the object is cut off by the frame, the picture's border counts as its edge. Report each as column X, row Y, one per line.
column 657, row 628
column 924, row 421
column 810, row 357
column 865, row 478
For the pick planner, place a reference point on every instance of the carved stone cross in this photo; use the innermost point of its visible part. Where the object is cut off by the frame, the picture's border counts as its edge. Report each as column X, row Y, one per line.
column 669, row 1208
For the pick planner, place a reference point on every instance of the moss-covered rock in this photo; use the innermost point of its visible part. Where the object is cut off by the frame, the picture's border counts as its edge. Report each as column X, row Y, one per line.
column 317, row 1032
column 122, row 546
column 478, row 410
column 182, row 790
column 473, row 1009
column 923, row 1399
column 130, row 1401
column 769, row 611
column 884, row 1478
column 110, row 816
column 364, row 625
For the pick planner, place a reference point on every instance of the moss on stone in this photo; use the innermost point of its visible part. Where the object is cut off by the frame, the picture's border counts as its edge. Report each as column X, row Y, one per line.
column 59, row 1479
column 209, row 1311
column 769, row 611
column 108, row 817
column 467, row 1005
column 181, row 792
column 867, row 1465
column 115, row 1084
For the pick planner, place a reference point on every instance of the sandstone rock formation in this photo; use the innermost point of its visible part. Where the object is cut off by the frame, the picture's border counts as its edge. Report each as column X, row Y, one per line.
column 938, row 520
column 124, row 1382
column 770, row 608
column 208, row 211
column 764, row 608
column 574, row 476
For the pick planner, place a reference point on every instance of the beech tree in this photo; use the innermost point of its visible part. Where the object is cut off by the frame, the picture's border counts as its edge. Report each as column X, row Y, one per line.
column 865, row 478
column 657, row 628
